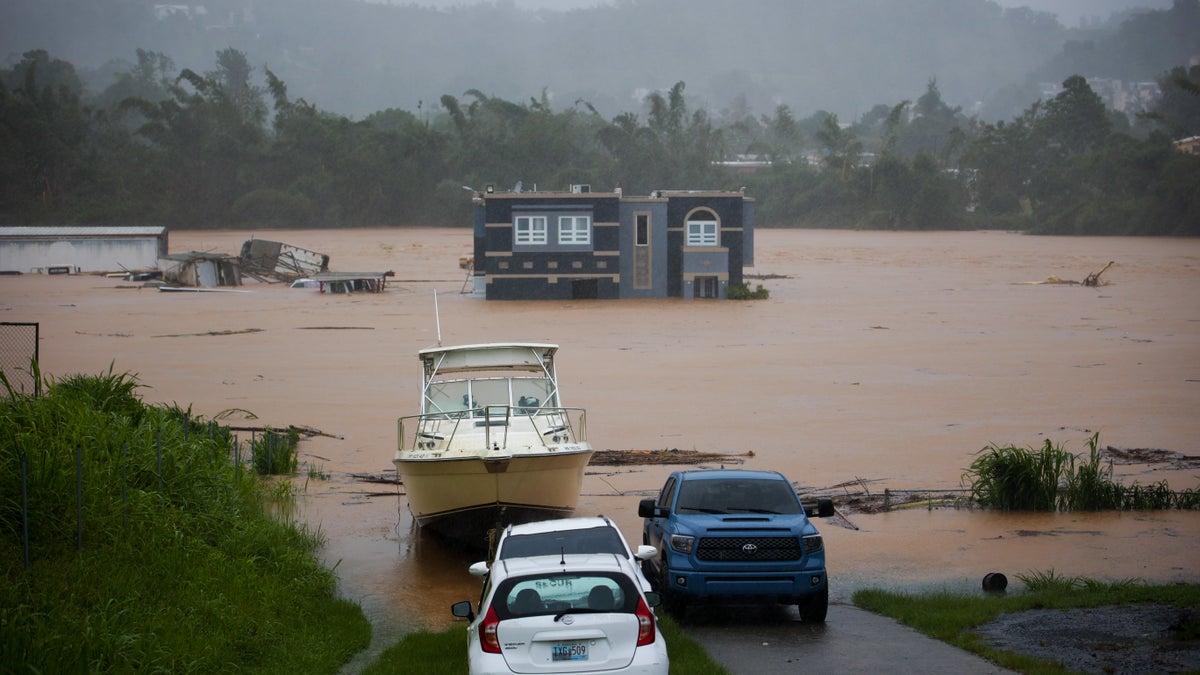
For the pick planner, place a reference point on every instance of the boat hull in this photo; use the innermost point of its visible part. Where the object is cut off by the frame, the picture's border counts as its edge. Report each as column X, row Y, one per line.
column 465, row 497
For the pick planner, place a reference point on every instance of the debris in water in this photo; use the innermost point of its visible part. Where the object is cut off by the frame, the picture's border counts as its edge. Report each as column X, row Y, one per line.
column 665, row 456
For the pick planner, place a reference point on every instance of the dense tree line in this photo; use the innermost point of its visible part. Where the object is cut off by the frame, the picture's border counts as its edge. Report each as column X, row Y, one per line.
column 187, row 149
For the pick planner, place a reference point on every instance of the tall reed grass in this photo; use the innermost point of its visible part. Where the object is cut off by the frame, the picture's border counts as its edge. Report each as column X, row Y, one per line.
column 1051, row 479
column 274, row 452
column 131, row 540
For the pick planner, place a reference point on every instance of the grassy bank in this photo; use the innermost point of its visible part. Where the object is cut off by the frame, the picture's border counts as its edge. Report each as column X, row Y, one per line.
column 952, row 617
column 133, row 538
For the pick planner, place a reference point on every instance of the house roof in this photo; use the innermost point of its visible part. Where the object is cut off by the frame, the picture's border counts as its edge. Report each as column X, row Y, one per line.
column 349, row 276
column 197, row 255
column 13, row 232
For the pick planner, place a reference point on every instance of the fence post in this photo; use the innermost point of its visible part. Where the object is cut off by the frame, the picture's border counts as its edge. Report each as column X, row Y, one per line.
column 125, row 488
column 158, row 455
column 887, row 499
column 78, row 498
column 25, row 508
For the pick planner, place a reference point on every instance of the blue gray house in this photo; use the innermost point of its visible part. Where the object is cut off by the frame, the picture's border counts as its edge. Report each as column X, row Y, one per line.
column 581, row 244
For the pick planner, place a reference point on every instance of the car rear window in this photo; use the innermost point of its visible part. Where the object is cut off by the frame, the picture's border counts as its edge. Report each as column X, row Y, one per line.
column 565, row 592
column 601, row 539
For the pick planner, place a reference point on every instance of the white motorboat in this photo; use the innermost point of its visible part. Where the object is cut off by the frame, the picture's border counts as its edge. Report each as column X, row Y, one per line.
column 493, row 444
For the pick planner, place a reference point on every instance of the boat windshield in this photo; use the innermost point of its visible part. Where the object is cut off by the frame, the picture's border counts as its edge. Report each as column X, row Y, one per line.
column 527, row 395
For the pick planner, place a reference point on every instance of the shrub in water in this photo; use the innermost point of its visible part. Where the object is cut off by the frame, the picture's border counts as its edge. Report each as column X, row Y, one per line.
column 1051, row 479
column 743, row 292
column 274, row 452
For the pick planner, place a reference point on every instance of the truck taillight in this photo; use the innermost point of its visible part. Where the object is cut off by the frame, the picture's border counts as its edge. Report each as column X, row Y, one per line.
column 488, row 640
column 645, row 624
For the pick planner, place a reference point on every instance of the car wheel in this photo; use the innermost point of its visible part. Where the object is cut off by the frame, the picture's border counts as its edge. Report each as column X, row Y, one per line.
column 814, row 609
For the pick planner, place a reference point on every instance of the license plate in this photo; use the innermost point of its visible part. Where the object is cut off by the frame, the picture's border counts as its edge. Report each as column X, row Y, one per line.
column 569, row 651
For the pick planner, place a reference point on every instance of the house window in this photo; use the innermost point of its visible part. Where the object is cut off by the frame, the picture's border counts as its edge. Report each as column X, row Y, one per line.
column 702, row 233
column 574, row 230
column 530, row 230
column 642, row 236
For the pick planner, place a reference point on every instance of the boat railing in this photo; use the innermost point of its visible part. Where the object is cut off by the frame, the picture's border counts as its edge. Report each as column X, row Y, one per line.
column 497, row 424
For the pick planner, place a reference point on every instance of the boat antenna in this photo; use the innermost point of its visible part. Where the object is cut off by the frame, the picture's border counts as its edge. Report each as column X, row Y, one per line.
column 437, row 317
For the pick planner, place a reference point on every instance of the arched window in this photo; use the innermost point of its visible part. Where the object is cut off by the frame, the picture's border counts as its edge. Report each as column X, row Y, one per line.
column 702, row 228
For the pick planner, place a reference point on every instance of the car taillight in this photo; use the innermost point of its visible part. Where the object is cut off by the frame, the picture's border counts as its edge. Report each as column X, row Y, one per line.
column 487, row 632
column 645, row 624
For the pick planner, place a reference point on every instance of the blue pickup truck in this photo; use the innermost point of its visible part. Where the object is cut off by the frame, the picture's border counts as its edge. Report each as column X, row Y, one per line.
column 735, row 536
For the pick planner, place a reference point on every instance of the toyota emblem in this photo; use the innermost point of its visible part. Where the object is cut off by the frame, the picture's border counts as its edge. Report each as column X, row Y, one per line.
column 749, row 549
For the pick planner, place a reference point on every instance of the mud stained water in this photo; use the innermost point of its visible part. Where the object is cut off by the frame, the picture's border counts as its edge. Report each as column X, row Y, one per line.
column 881, row 360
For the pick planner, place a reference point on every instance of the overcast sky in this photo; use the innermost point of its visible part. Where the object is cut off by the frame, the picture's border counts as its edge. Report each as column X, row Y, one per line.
column 1069, row 11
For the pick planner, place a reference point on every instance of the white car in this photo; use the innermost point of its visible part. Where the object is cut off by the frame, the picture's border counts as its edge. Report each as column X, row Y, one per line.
column 594, row 534
column 566, row 613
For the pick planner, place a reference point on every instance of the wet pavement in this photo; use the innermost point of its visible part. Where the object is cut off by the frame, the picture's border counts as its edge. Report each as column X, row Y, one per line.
column 761, row 641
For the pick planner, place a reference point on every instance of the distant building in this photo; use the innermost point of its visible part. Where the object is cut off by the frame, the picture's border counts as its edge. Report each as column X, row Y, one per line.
column 81, row 248
column 165, row 11
column 745, row 164
column 1130, row 98
column 1190, row 145
column 582, row 244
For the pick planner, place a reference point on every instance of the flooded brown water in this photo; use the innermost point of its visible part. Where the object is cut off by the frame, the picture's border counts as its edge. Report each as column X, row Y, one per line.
column 885, row 359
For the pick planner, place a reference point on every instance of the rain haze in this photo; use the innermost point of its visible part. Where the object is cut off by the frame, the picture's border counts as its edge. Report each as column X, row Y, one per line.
column 1069, row 12
column 358, row 58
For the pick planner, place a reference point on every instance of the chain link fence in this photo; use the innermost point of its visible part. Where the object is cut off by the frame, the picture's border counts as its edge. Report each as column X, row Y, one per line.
column 18, row 356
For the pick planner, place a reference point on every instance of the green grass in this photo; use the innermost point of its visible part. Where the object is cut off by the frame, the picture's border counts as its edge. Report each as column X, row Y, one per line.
column 687, row 656
column 445, row 653
column 441, row 653
column 148, row 549
column 1051, row 479
column 952, row 617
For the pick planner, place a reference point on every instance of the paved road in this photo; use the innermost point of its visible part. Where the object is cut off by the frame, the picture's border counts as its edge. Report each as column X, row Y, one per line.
column 757, row 641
